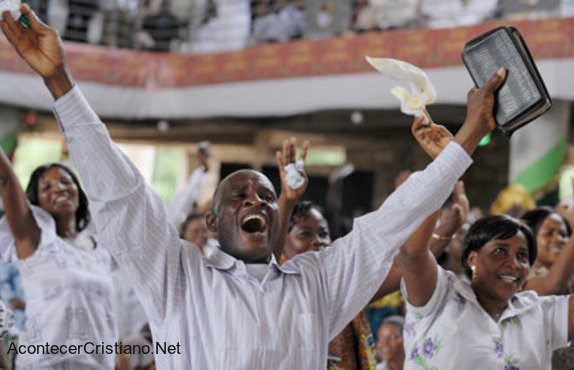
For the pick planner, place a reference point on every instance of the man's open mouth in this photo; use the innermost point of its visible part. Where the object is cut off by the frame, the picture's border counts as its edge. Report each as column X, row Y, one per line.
column 254, row 223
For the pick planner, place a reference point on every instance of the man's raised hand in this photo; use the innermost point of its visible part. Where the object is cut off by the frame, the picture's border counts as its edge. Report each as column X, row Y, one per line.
column 41, row 48
column 287, row 157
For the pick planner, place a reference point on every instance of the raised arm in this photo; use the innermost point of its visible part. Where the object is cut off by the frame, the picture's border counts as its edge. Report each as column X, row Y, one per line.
column 130, row 218
column 356, row 265
column 451, row 219
column 181, row 204
column 289, row 196
column 18, row 213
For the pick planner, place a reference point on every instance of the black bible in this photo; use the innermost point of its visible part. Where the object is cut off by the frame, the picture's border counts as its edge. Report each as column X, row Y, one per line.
column 523, row 96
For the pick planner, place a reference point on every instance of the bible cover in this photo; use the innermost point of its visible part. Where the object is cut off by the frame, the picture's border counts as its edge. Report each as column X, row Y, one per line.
column 523, row 96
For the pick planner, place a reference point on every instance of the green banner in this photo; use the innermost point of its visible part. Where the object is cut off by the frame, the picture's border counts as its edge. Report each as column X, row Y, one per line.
column 8, row 142
column 543, row 171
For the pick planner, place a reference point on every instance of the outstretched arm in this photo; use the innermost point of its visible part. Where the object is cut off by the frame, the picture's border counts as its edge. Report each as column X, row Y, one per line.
column 451, row 219
column 289, row 196
column 18, row 213
column 181, row 204
column 356, row 265
column 131, row 220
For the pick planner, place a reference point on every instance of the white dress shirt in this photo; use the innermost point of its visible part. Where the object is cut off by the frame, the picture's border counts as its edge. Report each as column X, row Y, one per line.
column 453, row 331
column 221, row 316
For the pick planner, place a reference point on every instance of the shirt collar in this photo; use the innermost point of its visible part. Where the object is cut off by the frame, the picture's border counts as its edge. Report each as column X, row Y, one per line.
column 288, row 267
column 223, row 261
column 517, row 305
column 220, row 260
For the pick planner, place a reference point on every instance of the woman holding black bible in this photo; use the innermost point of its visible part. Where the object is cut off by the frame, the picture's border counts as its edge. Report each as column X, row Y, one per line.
column 487, row 323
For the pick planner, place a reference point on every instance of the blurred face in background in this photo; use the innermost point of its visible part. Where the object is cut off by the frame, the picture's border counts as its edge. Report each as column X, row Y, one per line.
column 309, row 234
column 390, row 343
column 551, row 238
column 196, row 232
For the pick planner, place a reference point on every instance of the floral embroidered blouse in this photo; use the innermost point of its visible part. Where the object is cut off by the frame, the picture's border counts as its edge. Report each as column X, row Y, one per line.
column 454, row 332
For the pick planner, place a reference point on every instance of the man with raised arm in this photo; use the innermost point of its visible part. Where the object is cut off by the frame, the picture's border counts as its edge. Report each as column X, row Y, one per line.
column 239, row 309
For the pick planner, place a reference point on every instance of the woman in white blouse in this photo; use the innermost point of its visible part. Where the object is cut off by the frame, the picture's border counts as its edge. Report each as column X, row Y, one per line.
column 488, row 323
column 65, row 276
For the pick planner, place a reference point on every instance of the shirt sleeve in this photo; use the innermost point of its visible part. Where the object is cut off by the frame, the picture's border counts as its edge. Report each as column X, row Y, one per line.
column 430, row 308
column 131, row 220
column 357, row 264
column 555, row 311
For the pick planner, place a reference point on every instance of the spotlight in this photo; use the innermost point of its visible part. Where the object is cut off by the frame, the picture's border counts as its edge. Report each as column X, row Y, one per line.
column 357, row 117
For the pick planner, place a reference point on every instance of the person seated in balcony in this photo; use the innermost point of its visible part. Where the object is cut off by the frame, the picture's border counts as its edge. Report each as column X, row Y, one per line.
column 163, row 27
column 265, row 26
column 455, row 13
column 80, row 13
column 225, row 26
column 291, row 14
column 529, row 9
column 386, row 14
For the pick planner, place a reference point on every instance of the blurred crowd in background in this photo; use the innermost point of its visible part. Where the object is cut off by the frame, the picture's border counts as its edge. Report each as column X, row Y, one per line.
column 209, row 26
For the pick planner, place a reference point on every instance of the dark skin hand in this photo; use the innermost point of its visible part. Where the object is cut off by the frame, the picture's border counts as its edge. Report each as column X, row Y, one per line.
column 41, row 48
column 289, row 196
column 17, row 304
column 479, row 121
column 451, row 219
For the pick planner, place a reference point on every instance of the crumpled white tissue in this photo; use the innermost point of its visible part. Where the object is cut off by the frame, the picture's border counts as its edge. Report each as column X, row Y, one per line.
column 13, row 6
column 421, row 91
column 294, row 178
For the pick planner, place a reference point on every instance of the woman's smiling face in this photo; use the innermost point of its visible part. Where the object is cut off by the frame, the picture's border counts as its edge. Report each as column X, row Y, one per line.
column 57, row 192
column 502, row 266
column 551, row 239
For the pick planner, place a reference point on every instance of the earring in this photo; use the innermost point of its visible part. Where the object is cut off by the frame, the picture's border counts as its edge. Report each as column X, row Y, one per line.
column 473, row 270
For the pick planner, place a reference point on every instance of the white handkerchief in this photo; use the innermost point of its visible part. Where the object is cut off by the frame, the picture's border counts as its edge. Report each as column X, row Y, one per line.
column 294, row 179
column 421, row 91
column 13, row 6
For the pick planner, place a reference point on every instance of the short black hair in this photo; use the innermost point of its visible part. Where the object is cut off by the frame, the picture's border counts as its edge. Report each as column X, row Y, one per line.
column 301, row 211
column 191, row 217
column 83, row 216
column 536, row 217
column 495, row 227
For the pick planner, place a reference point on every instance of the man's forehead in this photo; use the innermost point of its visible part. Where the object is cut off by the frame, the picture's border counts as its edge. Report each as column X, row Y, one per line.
column 246, row 177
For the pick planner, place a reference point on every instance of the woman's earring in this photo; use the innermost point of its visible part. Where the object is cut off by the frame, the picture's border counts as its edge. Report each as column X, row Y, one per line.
column 473, row 270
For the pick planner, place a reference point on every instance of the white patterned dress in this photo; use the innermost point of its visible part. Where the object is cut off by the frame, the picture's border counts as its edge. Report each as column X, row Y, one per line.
column 452, row 331
column 68, row 300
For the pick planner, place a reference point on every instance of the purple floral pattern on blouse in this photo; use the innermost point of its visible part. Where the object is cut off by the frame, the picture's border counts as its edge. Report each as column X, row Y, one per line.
column 414, row 353
column 498, row 347
column 430, row 348
column 409, row 329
